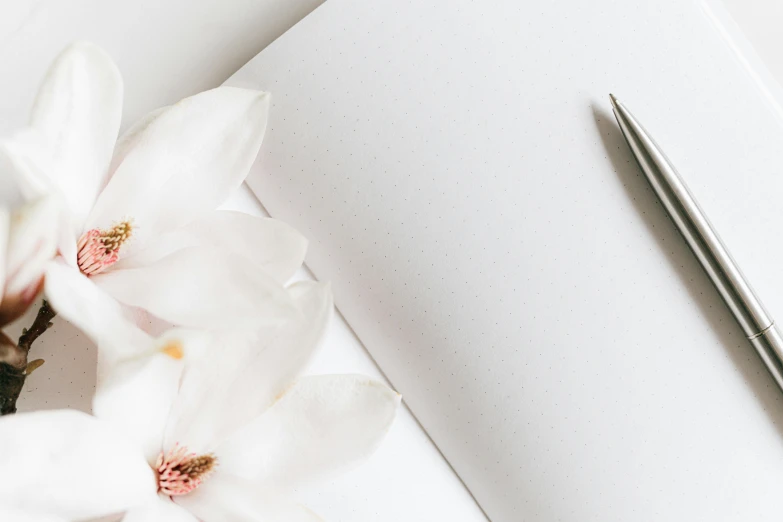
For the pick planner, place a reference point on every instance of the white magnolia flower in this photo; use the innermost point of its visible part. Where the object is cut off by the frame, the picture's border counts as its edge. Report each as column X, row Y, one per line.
column 28, row 241
column 139, row 213
column 196, row 429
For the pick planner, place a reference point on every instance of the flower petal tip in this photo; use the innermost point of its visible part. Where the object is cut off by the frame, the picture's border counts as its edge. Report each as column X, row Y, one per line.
column 261, row 100
column 84, row 46
column 93, row 54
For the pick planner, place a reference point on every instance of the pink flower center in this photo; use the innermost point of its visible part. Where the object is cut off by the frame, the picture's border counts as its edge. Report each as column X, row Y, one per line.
column 99, row 249
column 180, row 472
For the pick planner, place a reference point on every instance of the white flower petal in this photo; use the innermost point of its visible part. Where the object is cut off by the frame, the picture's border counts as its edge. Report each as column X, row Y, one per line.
column 202, row 288
column 20, row 159
column 258, row 371
column 82, row 303
column 77, row 112
column 69, row 464
column 186, row 161
column 323, row 424
column 27, row 244
column 137, row 394
column 275, row 247
column 222, row 498
column 32, row 243
column 17, row 515
column 23, row 158
column 132, row 137
column 161, row 510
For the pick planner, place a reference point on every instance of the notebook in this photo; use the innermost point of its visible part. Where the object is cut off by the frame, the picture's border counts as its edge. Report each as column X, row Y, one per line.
column 492, row 244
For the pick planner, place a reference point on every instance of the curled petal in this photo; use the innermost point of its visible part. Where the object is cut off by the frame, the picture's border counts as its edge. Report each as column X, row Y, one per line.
column 322, row 425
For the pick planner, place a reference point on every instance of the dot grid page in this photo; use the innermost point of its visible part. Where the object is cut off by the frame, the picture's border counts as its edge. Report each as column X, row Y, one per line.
column 495, row 247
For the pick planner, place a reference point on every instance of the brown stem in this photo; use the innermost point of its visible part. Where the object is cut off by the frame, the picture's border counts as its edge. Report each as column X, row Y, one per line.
column 42, row 323
column 14, row 367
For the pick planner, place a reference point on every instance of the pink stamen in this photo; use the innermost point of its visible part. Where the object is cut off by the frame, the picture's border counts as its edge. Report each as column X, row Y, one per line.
column 180, row 472
column 99, row 249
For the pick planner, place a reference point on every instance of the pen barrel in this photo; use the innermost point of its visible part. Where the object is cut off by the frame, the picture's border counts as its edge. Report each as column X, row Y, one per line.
column 769, row 346
column 712, row 254
column 704, row 242
column 697, row 231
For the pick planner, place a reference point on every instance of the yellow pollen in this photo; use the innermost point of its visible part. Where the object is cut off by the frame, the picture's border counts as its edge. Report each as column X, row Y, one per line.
column 174, row 349
column 198, row 467
column 113, row 238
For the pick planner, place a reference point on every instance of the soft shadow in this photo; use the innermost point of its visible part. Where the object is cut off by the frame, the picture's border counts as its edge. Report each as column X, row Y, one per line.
column 686, row 266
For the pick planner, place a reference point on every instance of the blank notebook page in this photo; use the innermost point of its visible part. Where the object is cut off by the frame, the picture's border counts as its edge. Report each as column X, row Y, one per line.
column 494, row 246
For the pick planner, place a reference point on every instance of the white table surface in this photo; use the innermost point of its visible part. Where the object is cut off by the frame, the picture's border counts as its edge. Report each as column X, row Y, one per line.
column 168, row 50
column 761, row 22
column 165, row 50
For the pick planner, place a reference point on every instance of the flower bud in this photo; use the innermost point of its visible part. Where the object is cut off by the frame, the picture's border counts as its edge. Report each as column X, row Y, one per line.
column 13, row 306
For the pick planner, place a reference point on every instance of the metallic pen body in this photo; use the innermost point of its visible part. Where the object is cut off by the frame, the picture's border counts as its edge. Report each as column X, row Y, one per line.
column 702, row 239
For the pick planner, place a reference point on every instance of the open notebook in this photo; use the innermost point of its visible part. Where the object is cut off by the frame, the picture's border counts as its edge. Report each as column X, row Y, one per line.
column 493, row 245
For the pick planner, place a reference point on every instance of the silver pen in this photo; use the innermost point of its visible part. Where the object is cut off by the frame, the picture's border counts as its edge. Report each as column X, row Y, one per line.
column 704, row 242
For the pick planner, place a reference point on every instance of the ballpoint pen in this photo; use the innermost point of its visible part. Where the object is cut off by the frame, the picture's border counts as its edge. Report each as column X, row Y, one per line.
column 704, row 242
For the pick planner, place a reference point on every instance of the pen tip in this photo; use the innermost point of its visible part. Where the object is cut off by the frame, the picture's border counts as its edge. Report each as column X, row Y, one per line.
column 613, row 99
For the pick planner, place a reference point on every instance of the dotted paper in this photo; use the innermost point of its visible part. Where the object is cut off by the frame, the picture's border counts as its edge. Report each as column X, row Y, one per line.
column 494, row 246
